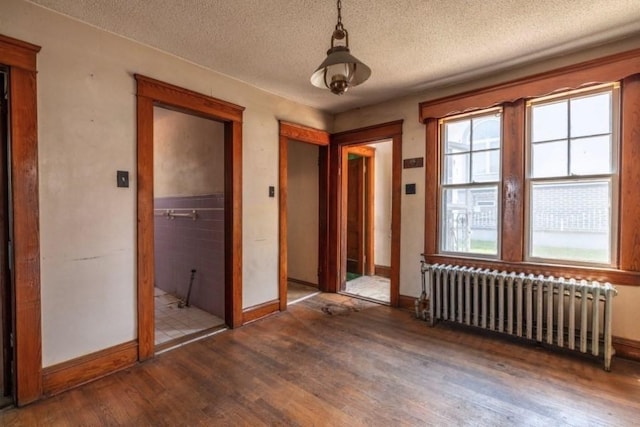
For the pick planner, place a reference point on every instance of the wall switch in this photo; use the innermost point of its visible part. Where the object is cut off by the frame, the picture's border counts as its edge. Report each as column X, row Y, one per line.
column 272, row 191
column 123, row 178
column 410, row 189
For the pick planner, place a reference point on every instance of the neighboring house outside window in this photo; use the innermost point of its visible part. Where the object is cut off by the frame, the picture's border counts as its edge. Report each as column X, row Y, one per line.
column 572, row 176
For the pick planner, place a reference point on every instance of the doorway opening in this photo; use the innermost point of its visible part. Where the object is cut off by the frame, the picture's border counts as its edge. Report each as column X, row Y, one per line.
column 302, row 220
column 303, row 212
column 6, row 283
column 188, row 188
column 368, row 225
column 153, row 93
column 344, row 145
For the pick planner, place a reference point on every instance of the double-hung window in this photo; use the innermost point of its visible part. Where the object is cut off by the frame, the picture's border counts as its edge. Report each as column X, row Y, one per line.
column 572, row 177
column 470, row 183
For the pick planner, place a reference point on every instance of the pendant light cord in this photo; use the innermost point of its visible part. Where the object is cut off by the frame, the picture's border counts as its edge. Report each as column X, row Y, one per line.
column 339, row 25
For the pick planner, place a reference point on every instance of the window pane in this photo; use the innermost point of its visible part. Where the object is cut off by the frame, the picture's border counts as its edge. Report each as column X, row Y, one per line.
column 457, row 136
column 470, row 220
column 456, row 169
column 549, row 121
column 485, row 166
column 486, row 132
column 591, row 115
column 571, row 221
column 590, row 156
column 549, row 159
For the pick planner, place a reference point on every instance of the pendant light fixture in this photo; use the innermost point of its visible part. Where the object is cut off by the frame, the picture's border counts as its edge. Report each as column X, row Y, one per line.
column 340, row 70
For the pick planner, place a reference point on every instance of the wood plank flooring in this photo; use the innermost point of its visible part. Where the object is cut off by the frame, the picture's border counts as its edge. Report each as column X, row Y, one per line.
column 334, row 360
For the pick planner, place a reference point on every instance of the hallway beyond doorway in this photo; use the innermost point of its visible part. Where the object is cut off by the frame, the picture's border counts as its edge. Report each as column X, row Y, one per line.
column 376, row 288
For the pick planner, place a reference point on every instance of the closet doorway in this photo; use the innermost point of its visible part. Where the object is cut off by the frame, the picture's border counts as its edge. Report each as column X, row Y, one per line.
column 188, row 201
column 303, row 227
column 152, row 94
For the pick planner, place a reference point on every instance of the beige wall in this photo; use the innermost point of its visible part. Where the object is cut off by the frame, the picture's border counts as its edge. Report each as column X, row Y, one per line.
column 382, row 203
column 87, row 131
column 188, row 154
column 302, row 211
column 413, row 206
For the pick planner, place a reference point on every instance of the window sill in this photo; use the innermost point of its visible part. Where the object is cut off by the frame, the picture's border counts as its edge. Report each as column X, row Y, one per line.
column 601, row 274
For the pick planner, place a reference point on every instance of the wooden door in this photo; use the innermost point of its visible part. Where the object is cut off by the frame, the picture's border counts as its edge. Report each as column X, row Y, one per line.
column 355, row 215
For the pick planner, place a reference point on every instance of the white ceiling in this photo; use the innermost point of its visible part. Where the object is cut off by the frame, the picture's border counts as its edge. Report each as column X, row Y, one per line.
column 410, row 45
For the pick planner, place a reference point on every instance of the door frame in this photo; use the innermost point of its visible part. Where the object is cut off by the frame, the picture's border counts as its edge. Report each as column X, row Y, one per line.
column 369, row 154
column 294, row 132
column 337, row 193
column 152, row 93
column 20, row 58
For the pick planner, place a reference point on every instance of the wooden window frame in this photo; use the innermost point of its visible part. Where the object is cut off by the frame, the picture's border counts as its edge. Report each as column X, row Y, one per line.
column 623, row 68
column 469, row 185
column 613, row 175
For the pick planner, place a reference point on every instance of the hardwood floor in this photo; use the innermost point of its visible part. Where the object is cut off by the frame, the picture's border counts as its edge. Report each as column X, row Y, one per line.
column 334, row 360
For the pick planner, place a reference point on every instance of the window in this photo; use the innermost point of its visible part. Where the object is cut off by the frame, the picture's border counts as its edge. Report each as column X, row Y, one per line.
column 572, row 176
column 563, row 197
column 470, row 181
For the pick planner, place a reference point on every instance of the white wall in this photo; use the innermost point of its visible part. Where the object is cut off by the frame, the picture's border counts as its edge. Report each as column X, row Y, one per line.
column 413, row 206
column 302, row 211
column 87, row 131
column 188, row 154
column 382, row 203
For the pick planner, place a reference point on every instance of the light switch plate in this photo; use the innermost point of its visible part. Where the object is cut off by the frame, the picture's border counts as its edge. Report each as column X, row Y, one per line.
column 123, row 178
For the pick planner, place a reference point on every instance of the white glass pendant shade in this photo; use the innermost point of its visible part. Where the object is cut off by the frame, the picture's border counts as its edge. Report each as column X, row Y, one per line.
column 340, row 71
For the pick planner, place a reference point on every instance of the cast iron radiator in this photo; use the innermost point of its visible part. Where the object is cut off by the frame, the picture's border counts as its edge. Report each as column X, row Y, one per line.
column 565, row 313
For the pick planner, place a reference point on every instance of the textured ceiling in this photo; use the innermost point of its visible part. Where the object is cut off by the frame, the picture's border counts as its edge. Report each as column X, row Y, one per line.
column 410, row 45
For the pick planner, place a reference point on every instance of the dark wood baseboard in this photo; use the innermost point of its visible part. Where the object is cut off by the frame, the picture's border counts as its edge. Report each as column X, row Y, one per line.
column 302, row 282
column 66, row 375
column 259, row 311
column 383, row 271
column 628, row 349
column 406, row 302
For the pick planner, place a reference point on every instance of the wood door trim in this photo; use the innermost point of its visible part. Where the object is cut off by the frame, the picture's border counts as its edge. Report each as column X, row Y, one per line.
column 369, row 153
column 301, row 133
column 390, row 130
column 152, row 92
column 20, row 57
column 291, row 131
column 17, row 53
